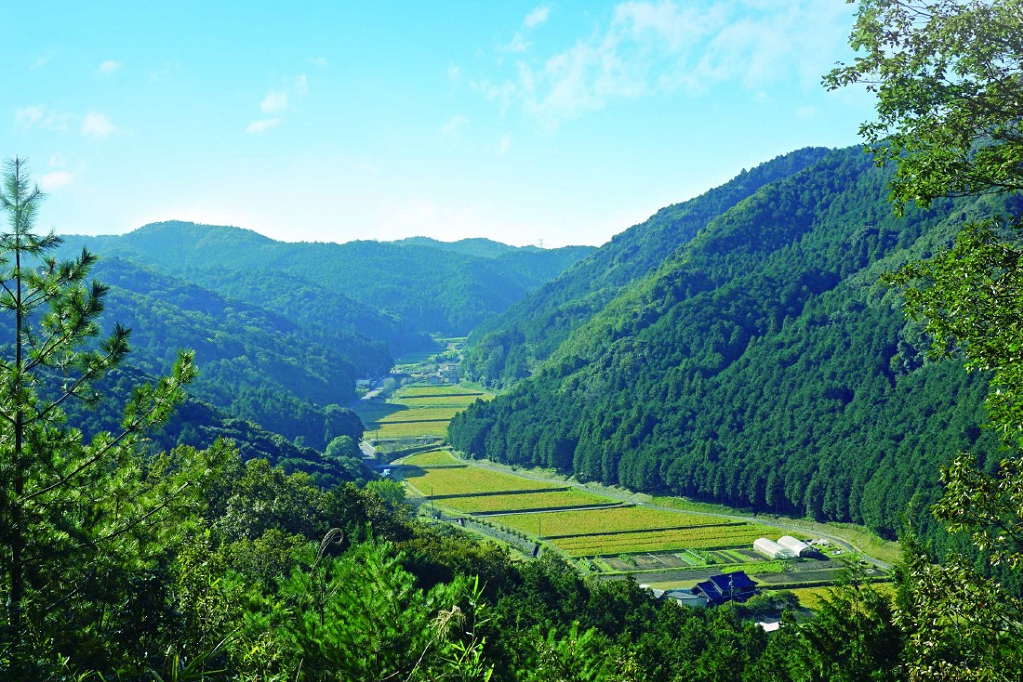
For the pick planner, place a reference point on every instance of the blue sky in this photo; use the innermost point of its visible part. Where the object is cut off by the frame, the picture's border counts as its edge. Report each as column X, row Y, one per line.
column 559, row 121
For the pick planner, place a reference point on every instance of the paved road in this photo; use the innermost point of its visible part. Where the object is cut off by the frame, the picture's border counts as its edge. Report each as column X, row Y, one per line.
column 632, row 497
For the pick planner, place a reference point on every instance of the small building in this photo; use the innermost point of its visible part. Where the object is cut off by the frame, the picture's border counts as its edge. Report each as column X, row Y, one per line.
column 798, row 547
column 726, row 587
column 772, row 550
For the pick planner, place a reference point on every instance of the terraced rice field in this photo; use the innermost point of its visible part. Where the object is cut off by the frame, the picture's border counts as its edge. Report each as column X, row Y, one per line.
column 469, row 481
column 431, row 458
column 603, row 521
column 711, row 537
column 553, row 499
column 421, row 414
column 392, row 430
column 452, row 400
column 419, row 391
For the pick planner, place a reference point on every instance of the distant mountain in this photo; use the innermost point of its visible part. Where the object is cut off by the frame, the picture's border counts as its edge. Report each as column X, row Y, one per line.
column 505, row 348
column 762, row 364
column 478, row 247
column 424, row 285
column 254, row 364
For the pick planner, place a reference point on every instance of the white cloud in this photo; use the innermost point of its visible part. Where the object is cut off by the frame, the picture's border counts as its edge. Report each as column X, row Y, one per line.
column 453, row 125
column 651, row 47
column 41, row 61
column 537, row 17
column 55, row 180
column 504, row 144
column 318, row 61
column 109, row 66
column 38, row 116
column 517, row 44
column 262, row 125
column 301, row 85
column 57, row 161
column 96, row 125
column 275, row 101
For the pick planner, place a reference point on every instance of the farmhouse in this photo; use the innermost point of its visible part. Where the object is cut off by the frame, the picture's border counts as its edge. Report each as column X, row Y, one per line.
column 773, row 550
column 726, row 587
column 798, row 547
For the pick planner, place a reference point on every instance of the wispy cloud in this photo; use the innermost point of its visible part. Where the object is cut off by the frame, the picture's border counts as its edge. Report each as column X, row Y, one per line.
column 55, row 180
column 651, row 47
column 97, row 125
column 806, row 111
column 275, row 101
column 318, row 61
column 453, row 126
column 41, row 61
column 517, row 44
column 278, row 102
column 38, row 116
column 504, row 144
column 166, row 71
column 537, row 17
column 110, row 66
column 262, row 125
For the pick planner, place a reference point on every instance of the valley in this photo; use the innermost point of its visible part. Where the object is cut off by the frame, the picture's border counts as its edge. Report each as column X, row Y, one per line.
column 663, row 543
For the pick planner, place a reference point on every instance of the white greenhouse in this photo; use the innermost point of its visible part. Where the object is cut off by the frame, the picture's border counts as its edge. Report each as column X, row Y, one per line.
column 772, row 550
column 798, row 547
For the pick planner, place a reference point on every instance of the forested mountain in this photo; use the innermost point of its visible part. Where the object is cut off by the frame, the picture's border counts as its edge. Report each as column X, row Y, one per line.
column 504, row 348
column 254, row 364
column 426, row 287
column 763, row 365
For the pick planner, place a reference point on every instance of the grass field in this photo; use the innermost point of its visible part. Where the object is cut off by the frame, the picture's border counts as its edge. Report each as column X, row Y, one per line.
column 603, row 521
column 711, row 537
column 467, row 481
column 537, row 500
column 431, row 458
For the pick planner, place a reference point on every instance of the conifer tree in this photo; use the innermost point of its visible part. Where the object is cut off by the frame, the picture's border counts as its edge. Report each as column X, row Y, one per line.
column 75, row 516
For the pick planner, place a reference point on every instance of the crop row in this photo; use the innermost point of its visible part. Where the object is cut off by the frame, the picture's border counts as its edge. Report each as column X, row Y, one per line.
column 407, row 429
column 471, row 480
column 413, row 391
column 695, row 538
column 553, row 499
column 605, row 521
column 420, row 414
column 460, row 401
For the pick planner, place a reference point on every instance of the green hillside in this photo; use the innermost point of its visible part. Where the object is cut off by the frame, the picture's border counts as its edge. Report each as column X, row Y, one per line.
column 763, row 365
column 254, row 364
column 505, row 348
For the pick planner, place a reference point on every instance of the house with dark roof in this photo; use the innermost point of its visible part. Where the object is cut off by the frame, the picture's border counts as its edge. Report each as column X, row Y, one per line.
column 726, row 587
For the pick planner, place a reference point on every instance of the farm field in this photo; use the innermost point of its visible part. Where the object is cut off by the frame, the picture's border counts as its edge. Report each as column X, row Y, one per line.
column 469, row 480
column 443, row 390
column 538, row 500
column 416, row 411
column 393, row 430
column 711, row 537
column 430, row 458
column 421, row 414
column 451, row 400
column 605, row 521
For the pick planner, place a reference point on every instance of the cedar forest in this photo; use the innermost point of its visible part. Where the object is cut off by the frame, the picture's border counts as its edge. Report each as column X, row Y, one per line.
column 831, row 335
